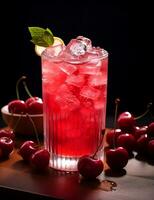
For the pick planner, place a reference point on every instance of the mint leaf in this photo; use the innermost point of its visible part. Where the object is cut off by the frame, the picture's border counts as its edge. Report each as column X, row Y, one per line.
column 40, row 36
column 36, row 31
column 47, row 29
column 39, row 42
column 47, row 38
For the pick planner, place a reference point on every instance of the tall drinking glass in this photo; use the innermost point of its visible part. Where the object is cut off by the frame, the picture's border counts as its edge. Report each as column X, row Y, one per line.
column 74, row 85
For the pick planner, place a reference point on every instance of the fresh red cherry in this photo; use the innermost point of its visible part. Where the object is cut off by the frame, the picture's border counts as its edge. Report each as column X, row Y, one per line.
column 112, row 135
column 90, row 167
column 140, row 131
column 127, row 141
column 151, row 149
column 117, row 158
column 6, row 146
column 142, row 144
column 126, row 122
column 27, row 149
column 150, row 130
column 31, row 99
column 7, row 133
column 35, row 106
column 17, row 107
column 40, row 159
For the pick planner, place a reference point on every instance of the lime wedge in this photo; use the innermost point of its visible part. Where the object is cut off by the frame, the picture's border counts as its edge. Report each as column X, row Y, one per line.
column 57, row 41
column 40, row 49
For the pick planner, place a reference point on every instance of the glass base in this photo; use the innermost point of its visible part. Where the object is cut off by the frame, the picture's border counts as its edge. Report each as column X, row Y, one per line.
column 68, row 164
column 64, row 163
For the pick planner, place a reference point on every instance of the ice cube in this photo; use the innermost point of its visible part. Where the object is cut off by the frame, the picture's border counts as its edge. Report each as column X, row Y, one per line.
column 52, row 76
column 85, row 41
column 53, row 51
column 76, row 50
column 68, row 68
column 76, row 80
column 53, row 82
column 49, row 67
column 90, row 92
column 89, row 69
column 98, row 105
column 63, row 89
column 79, row 46
column 86, row 102
column 66, row 100
column 75, row 90
column 97, row 52
column 97, row 79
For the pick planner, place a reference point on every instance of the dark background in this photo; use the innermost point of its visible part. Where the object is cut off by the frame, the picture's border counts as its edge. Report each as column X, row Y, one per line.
column 123, row 28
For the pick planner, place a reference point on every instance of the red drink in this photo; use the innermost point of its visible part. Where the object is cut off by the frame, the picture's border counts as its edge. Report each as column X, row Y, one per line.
column 74, row 95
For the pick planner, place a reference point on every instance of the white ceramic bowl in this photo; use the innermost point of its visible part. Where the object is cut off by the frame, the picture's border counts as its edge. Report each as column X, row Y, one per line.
column 22, row 124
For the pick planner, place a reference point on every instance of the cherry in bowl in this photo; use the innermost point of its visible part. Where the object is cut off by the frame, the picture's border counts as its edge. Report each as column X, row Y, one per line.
column 22, row 123
column 34, row 105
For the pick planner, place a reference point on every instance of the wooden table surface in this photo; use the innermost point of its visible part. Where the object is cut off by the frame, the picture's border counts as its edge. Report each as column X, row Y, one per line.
column 19, row 180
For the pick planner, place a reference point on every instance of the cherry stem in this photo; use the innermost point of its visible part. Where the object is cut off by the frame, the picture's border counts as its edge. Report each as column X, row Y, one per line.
column 26, row 88
column 115, row 120
column 16, row 124
column 35, row 130
column 17, row 85
column 100, row 144
column 145, row 113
